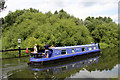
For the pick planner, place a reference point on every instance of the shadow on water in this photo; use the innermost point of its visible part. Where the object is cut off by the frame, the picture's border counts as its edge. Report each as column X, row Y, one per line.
column 95, row 65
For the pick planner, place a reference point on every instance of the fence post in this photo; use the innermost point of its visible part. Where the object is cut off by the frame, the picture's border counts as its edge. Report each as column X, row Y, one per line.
column 19, row 52
column 19, row 41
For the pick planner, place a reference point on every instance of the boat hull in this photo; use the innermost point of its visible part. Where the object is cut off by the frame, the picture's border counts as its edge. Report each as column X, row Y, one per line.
column 59, row 58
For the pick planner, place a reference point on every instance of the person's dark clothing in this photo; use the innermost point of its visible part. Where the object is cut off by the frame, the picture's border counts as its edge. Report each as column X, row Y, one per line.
column 38, row 48
column 46, row 46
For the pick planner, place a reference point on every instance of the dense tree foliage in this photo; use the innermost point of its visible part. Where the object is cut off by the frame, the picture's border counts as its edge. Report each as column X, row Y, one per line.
column 58, row 29
column 103, row 30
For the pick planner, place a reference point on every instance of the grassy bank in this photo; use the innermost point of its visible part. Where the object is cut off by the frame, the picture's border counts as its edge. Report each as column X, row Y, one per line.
column 11, row 54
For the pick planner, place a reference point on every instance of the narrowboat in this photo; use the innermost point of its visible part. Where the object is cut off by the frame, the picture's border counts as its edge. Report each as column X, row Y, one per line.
column 58, row 53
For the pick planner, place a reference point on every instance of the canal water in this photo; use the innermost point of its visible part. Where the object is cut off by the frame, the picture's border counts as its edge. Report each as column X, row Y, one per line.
column 94, row 65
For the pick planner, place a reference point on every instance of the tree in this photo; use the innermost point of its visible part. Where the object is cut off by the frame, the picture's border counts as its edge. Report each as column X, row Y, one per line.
column 63, row 14
column 56, row 12
column 106, row 33
column 58, row 29
column 48, row 14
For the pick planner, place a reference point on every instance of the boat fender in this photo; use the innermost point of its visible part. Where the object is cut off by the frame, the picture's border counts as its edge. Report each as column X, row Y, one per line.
column 26, row 50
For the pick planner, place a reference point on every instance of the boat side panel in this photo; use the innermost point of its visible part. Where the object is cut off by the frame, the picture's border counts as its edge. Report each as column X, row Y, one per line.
column 77, row 50
column 56, row 54
column 69, row 51
column 86, row 48
column 61, row 56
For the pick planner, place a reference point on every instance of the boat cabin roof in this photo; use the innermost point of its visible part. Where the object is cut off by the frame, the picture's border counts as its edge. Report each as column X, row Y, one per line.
column 37, row 53
column 78, row 46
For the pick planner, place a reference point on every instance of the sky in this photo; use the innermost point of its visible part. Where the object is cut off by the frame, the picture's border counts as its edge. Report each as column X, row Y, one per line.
column 97, row 74
column 78, row 8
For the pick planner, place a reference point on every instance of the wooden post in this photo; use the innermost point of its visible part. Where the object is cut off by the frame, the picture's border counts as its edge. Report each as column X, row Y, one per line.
column 19, row 41
column 19, row 52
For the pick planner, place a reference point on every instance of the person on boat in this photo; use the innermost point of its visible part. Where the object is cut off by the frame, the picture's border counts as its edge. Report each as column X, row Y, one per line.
column 38, row 50
column 35, row 49
column 46, row 47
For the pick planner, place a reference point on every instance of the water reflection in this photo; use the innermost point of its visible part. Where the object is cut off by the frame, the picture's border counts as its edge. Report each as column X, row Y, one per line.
column 51, row 72
column 35, row 75
column 73, row 65
column 109, row 59
column 12, row 66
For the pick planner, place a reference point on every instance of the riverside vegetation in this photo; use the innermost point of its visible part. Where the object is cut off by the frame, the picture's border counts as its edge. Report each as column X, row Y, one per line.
column 58, row 29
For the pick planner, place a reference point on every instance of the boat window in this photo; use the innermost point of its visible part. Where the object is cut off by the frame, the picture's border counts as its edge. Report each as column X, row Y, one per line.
column 73, row 51
column 90, row 48
column 83, row 49
column 94, row 47
column 63, row 52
